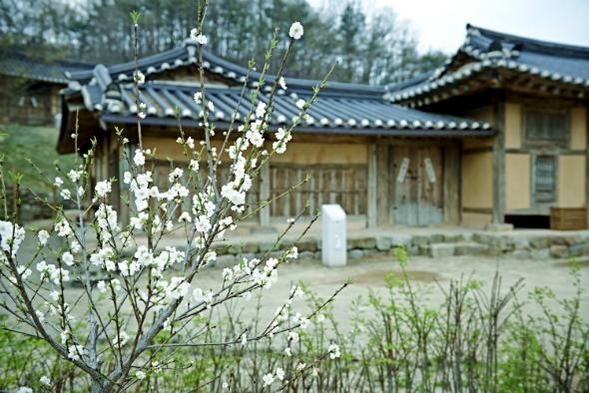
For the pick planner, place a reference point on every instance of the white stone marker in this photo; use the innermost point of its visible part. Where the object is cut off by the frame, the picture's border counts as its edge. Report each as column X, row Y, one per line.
column 333, row 239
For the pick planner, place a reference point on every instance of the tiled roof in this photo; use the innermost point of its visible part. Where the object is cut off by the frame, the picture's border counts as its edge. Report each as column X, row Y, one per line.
column 332, row 111
column 485, row 50
column 342, row 108
column 18, row 64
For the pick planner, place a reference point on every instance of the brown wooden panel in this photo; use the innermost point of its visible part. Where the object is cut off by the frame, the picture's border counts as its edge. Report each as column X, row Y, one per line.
column 345, row 185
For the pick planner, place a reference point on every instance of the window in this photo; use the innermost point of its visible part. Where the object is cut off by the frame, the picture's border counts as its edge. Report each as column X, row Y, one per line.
column 546, row 125
column 544, row 180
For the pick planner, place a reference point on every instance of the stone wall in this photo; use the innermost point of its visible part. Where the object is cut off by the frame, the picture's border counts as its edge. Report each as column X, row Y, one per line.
column 542, row 245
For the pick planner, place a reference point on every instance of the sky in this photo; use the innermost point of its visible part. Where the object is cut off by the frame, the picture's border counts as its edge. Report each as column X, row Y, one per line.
column 441, row 24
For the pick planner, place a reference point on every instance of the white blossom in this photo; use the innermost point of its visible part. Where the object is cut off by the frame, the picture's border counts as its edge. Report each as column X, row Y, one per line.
column 296, row 31
column 300, row 103
column 139, row 158
column 75, row 352
column 293, row 336
column 63, row 228
column 102, row 188
column 11, row 236
column 45, row 380
column 260, row 110
column 139, row 77
column 74, row 175
column 67, row 258
column 268, row 379
column 140, row 375
column 101, row 286
column 198, row 97
column 66, row 194
column 24, row 389
column 43, row 236
column 198, row 37
column 282, row 83
column 280, row 373
column 58, row 182
column 333, row 350
column 193, row 166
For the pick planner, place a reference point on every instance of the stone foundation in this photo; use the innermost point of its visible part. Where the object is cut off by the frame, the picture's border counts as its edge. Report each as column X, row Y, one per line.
column 542, row 245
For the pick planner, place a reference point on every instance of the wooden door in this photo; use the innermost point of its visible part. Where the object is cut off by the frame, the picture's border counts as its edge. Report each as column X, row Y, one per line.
column 417, row 185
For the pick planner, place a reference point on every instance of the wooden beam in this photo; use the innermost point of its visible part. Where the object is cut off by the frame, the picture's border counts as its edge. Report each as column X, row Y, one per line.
column 452, row 182
column 587, row 159
column 372, row 169
column 499, row 161
column 383, row 184
column 264, row 215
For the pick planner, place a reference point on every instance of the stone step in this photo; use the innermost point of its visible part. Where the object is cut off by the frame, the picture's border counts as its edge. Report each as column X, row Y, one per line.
column 441, row 250
column 470, row 248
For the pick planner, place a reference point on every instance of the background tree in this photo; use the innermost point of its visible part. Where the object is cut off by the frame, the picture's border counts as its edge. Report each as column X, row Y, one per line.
column 375, row 48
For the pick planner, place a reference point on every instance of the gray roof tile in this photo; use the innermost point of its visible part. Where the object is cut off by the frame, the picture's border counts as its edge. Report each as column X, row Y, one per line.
column 486, row 49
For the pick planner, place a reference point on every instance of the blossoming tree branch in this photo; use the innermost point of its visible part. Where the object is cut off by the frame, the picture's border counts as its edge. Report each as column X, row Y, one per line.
column 137, row 305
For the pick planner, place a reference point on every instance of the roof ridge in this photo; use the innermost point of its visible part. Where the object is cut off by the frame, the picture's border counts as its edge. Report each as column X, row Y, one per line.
column 530, row 44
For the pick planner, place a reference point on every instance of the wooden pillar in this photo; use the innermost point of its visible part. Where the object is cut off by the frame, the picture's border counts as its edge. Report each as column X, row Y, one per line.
column 264, row 214
column 587, row 161
column 452, row 180
column 383, row 178
column 499, row 161
column 372, row 213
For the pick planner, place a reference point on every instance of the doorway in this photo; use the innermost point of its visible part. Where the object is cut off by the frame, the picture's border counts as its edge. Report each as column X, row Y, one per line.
column 417, row 184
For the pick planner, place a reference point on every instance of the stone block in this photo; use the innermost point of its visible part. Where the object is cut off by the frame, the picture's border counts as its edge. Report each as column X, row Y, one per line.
column 520, row 254
column 491, row 227
column 227, row 260
column 454, row 238
column 540, row 255
column 470, row 248
column 420, row 240
column 383, row 243
column 540, row 242
column 559, row 251
column 308, row 256
column 570, row 240
column 307, row 245
column 521, row 243
column 413, row 251
column 265, row 246
column 361, row 243
column 243, row 248
column 401, row 240
column 558, row 241
column 441, row 250
column 579, row 250
column 436, row 238
column 221, row 248
column 356, row 254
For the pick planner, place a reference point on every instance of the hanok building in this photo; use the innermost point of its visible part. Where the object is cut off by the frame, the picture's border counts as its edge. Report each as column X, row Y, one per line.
column 384, row 163
column 381, row 162
column 535, row 95
column 29, row 87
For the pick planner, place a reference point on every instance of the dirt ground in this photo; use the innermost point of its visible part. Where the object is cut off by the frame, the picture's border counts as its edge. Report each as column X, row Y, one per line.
column 368, row 274
column 431, row 275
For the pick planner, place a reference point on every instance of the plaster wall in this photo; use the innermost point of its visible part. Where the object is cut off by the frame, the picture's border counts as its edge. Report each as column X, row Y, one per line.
column 475, row 220
column 296, row 153
column 578, row 128
column 322, row 153
column 513, row 126
column 477, row 180
column 571, row 181
column 169, row 149
column 517, row 181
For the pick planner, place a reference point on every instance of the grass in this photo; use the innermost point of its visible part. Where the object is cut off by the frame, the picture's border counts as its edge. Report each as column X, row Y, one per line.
column 31, row 151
